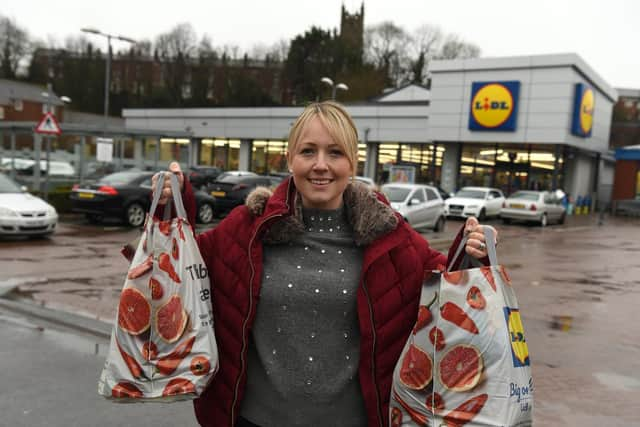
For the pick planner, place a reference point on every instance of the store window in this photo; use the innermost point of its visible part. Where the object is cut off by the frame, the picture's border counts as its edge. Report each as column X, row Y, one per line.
column 223, row 153
column 174, row 149
column 425, row 161
column 268, row 157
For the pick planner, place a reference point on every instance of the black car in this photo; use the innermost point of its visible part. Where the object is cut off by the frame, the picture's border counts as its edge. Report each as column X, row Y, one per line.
column 232, row 190
column 127, row 196
column 201, row 176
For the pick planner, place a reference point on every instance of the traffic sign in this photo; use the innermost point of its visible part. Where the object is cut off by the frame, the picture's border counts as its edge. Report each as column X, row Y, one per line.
column 48, row 125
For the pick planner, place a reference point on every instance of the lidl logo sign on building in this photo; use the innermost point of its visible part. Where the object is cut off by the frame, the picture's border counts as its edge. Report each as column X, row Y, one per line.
column 494, row 105
column 583, row 109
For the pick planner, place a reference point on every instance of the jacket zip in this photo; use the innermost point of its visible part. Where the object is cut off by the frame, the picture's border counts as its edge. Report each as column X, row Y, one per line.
column 373, row 365
column 244, row 324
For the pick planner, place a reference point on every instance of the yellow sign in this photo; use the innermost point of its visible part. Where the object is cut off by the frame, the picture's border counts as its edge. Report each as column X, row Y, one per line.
column 492, row 105
column 586, row 111
column 519, row 348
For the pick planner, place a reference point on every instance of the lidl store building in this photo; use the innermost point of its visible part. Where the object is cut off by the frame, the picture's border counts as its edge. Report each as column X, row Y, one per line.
column 536, row 122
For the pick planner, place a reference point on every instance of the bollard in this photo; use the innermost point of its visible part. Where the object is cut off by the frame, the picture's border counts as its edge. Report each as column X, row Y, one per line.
column 578, row 208
column 587, row 204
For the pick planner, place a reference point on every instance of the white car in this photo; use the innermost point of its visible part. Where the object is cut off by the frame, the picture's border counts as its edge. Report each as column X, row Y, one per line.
column 542, row 207
column 420, row 205
column 22, row 213
column 480, row 202
column 366, row 181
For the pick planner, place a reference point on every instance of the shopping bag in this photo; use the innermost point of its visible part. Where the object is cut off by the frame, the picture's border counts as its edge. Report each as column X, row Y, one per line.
column 162, row 346
column 466, row 361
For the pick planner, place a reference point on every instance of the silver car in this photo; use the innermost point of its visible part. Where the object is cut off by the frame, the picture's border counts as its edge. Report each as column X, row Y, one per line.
column 542, row 207
column 420, row 205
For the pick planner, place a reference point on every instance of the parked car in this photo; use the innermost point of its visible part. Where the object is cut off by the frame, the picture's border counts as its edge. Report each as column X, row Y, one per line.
column 223, row 175
column 22, row 213
column 542, row 207
column 367, row 181
column 232, row 189
column 127, row 196
column 26, row 167
column 480, row 202
column 420, row 205
column 201, row 176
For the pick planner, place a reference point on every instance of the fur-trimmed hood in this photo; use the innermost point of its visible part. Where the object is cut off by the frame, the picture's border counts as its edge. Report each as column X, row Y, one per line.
column 367, row 212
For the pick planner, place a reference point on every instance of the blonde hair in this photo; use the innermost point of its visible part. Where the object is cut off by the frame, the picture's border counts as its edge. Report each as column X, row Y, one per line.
column 338, row 123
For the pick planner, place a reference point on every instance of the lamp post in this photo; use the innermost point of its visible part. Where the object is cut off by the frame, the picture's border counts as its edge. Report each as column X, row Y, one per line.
column 334, row 87
column 107, row 67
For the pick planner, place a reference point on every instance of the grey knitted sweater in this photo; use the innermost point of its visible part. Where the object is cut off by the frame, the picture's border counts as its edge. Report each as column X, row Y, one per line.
column 303, row 357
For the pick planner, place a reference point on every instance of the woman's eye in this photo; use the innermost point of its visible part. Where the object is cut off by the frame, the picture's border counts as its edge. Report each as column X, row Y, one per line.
column 336, row 153
column 306, row 151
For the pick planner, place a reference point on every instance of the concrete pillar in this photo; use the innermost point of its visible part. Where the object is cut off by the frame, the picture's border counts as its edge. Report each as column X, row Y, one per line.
column 13, row 155
column 138, row 155
column 450, row 166
column 81, row 159
column 244, row 161
column 371, row 160
column 156, row 157
column 194, row 151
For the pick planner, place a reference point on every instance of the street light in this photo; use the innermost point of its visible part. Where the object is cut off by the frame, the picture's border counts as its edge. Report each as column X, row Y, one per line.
column 334, row 87
column 108, row 66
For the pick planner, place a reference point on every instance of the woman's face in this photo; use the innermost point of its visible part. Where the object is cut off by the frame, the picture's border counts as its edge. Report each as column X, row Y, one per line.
column 320, row 167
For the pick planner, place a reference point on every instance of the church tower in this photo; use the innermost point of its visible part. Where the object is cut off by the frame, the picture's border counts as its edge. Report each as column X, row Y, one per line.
column 352, row 30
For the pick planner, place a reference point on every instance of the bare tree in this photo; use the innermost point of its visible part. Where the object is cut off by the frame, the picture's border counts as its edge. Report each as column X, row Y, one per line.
column 279, row 51
column 179, row 41
column 455, row 47
column 386, row 47
column 423, row 46
column 14, row 47
column 206, row 49
column 76, row 44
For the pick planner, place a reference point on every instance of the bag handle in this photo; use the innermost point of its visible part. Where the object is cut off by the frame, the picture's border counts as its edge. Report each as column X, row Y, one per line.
column 490, row 238
column 176, row 195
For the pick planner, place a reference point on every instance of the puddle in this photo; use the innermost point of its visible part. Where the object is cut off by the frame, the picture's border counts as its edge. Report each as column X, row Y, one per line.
column 561, row 323
column 618, row 382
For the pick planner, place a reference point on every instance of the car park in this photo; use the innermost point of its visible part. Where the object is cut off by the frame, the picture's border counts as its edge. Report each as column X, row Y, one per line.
column 480, row 202
column 232, row 189
column 201, row 176
column 22, row 214
column 420, row 205
column 127, row 196
column 541, row 207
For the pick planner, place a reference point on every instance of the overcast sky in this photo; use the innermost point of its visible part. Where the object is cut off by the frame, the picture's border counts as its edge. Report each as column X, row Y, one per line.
column 605, row 33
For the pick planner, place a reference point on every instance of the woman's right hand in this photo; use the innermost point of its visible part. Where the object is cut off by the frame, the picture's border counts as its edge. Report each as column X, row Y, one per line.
column 174, row 167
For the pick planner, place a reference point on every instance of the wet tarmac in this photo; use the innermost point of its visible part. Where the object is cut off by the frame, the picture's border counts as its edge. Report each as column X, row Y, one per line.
column 578, row 286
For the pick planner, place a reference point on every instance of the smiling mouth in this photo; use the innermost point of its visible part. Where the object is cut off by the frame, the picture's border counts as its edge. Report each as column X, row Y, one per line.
column 320, row 181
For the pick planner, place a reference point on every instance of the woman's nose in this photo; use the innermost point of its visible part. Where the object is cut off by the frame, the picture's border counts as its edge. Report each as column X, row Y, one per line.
column 321, row 162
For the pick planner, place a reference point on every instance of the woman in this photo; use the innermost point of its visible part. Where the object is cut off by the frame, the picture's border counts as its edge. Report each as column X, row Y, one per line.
column 315, row 289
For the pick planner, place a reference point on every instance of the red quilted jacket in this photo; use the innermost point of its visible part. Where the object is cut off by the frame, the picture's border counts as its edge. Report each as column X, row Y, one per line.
column 394, row 262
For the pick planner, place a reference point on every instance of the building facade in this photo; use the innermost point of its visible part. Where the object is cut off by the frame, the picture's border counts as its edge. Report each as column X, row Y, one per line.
column 539, row 122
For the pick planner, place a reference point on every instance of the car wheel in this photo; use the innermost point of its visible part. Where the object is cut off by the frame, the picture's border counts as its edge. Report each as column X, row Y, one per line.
column 439, row 225
column 506, row 220
column 205, row 213
column 482, row 215
column 135, row 214
column 543, row 220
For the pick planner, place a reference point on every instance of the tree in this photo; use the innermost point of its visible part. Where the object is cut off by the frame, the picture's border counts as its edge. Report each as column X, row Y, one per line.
column 454, row 47
column 423, row 45
column 14, row 47
column 174, row 49
column 386, row 47
column 311, row 57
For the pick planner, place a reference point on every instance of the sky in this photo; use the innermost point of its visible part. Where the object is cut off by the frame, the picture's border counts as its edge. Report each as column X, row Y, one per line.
column 605, row 33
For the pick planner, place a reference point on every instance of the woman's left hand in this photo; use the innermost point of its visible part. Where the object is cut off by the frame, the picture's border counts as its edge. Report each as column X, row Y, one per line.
column 476, row 243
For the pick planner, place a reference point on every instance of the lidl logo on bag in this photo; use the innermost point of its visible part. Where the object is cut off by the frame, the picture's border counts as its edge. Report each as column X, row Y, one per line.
column 494, row 105
column 583, row 108
column 519, row 349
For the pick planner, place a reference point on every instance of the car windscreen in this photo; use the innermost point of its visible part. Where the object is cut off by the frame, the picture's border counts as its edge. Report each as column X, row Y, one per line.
column 471, row 194
column 119, row 178
column 8, row 186
column 396, row 194
column 232, row 179
column 524, row 196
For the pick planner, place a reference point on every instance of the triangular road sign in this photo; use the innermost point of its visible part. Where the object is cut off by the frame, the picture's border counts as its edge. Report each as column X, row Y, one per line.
column 48, row 125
